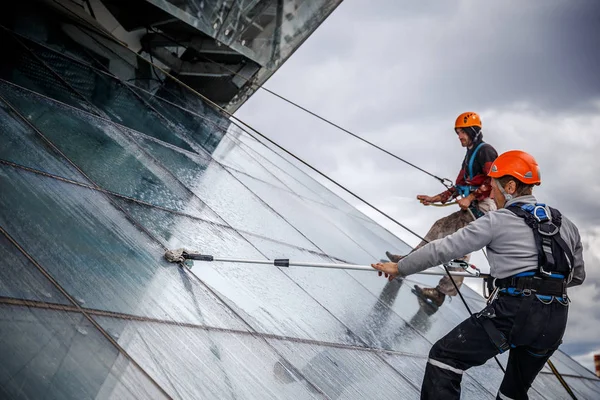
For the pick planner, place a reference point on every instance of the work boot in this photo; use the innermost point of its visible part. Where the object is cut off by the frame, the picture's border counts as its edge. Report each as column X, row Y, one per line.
column 393, row 257
column 432, row 296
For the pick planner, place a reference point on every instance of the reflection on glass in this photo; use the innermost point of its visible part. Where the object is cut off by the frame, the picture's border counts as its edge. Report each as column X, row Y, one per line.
column 110, row 95
column 111, row 159
column 23, row 69
column 262, row 295
column 224, row 194
column 328, row 237
column 197, row 364
column 413, row 369
column 97, row 255
column 369, row 317
column 61, row 355
column 340, row 373
column 20, row 279
column 23, row 146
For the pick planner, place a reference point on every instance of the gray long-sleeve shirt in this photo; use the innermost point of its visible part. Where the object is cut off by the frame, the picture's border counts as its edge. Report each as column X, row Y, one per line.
column 510, row 245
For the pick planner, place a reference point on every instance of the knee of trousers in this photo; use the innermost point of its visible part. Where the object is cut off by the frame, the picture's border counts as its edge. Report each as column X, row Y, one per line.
column 437, row 351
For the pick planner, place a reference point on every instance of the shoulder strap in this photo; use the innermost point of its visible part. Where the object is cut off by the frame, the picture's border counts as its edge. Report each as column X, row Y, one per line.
column 532, row 223
column 543, row 235
column 472, row 159
column 557, row 219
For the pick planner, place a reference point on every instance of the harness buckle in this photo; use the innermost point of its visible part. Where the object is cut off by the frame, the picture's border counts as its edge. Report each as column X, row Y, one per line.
column 548, row 229
column 527, row 292
column 544, row 216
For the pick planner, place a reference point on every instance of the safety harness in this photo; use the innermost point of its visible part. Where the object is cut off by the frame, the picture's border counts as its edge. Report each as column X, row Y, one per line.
column 549, row 281
column 465, row 190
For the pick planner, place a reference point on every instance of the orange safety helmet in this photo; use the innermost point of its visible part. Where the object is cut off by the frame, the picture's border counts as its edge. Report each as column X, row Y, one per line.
column 519, row 164
column 467, row 119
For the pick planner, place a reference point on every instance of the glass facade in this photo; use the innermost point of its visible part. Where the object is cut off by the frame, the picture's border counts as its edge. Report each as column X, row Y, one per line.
column 102, row 171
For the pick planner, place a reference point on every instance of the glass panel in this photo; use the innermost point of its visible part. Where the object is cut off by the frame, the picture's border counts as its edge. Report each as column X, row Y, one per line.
column 431, row 324
column 20, row 279
column 97, row 256
column 44, row 25
column 239, row 207
column 23, row 69
column 206, row 129
column 550, row 387
column 369, row 317
column 296, row 174
column 206, row 364
column 490, row 377
column 110, row 95
column 60, row 355
column 584, row 388
column 566, row 365
column 341, row 373
column 268, row 31
column 110, row 158
column 308, row 219
column 23, row 146
column 413, row 368
column 232, row 155
column 264, row 297
column 274, row 167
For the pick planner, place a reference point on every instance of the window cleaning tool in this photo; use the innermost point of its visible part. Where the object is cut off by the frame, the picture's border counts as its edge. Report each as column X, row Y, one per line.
column 187, row 257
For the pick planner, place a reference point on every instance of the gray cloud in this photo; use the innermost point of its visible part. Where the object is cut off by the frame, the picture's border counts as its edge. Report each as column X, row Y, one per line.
column 398, row 74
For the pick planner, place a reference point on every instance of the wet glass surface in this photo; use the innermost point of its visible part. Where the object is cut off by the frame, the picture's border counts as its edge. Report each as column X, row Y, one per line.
column 294, row 175
column 549, row 386
column 198, row 364
column 261, row 294
column 109, row 157
column 329, row 237
column 413, row 369
column 23, row 146
column 368, row 316
column 97, row 255
column 109, row 95
column 204, row 125
column 61, row 355
column 566, row 365
column 490, row 377
column 584, row 388
column 224, row 194
column 20, row 279
column 24, row 69
column 342, row 373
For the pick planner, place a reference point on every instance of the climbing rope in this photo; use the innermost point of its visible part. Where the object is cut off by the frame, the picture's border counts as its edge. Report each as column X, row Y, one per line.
column 446, row 182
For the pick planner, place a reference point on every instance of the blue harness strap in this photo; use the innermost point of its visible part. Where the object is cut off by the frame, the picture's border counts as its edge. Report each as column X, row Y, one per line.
column 472, row 160
column 465, row 190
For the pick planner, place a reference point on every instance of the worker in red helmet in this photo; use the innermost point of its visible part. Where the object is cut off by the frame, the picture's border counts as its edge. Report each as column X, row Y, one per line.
column 473, row 187
column 535, row 254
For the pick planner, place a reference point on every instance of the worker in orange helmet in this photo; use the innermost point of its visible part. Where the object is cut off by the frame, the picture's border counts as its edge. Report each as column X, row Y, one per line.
column 473, row 185
column 535, row 253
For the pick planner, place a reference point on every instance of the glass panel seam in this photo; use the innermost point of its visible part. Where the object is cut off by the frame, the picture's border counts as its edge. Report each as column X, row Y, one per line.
column 238, row 232
column 57, row 75
column 253, row 333
column 80, row 309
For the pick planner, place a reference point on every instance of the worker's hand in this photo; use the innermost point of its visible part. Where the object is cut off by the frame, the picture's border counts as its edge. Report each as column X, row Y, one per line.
column 427, row 200
column 465, row 202
column 389, row 269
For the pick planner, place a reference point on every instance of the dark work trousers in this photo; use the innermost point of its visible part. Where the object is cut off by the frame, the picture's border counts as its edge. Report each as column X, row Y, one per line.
column 533, row 329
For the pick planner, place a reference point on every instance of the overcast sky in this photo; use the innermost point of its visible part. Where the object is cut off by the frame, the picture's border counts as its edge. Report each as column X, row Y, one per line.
column 399, row 72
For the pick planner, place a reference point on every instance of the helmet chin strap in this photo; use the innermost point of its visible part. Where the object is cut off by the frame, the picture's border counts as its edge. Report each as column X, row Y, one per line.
column 507, row 197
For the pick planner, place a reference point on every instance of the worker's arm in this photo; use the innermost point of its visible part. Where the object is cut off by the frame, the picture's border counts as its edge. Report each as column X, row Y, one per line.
column 474, row 236
column 578, row 267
